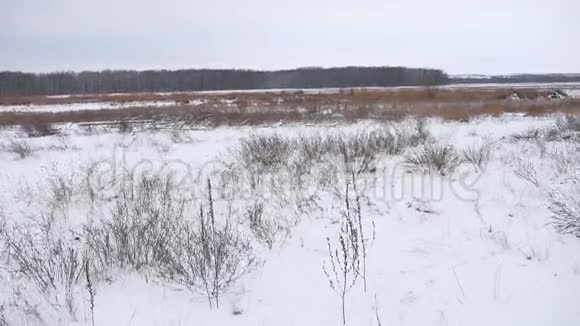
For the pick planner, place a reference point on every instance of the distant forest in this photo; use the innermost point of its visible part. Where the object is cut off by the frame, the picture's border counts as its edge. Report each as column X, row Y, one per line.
column 521, row 78
column 128, row 81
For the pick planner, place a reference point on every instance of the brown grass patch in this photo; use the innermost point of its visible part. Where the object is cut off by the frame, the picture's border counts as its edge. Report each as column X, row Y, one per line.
column 299, row 106
column 355, row 96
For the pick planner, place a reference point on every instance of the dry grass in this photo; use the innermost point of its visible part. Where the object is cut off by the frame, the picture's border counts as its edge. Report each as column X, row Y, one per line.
column 38, row 129
column 354, row 96
column 434, row 159
column 299, row 106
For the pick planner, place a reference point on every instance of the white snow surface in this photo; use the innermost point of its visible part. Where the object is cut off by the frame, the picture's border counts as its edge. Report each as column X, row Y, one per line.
column 91, row 106
column 573, row 92
column 484, row 257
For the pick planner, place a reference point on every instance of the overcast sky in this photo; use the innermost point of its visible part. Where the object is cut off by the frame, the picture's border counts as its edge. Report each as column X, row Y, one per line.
column 459, row 36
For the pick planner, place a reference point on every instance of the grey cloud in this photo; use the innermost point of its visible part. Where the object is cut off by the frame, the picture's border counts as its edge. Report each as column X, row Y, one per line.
column 459, row 36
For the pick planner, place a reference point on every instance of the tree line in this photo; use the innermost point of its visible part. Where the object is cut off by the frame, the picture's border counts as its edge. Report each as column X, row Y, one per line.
column 130, row 81
column 518, row 79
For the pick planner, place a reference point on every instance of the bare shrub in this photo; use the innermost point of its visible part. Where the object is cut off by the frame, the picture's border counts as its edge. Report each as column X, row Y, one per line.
column 342, row 276
column 3, row 318
column 552, row 134
column 149, row 228
column 358, row 151
column 393, row 142
column 568, row 123
column 383, row 141
column 62, row 144
column 565, row 160
column 313, row 148
column 3, row 235
column 60, row 189
column 566, row 128
column 525, row 170
column 396, row 141
column 344, row 257
column 53, row 266
column 38, row 129
column 264, row 152
column 533, row 134
column 89, row 129
column 212, row 258
column 348, row 256
column 90, row 290
column 19, row 147
column 180, row 137
column 438, row 159
column 421, row 134
column 264, row 230
column 412, row 135
column 541, row 144
column 125, row 126
column 179, row 262
column 225, row 257
column 357, row 217
column 565, row 212
column 146, row 213
column 478, row 156
column 355, row 152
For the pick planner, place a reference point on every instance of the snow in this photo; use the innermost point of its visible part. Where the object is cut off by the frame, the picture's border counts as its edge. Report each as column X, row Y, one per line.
column 572, row 92
column 91, row 106
column 562, row 85
column 471, row 76
column 481, row 255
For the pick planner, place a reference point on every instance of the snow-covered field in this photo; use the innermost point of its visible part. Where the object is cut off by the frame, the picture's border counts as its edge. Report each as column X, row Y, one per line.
column 91, row 106
column 474, row 246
